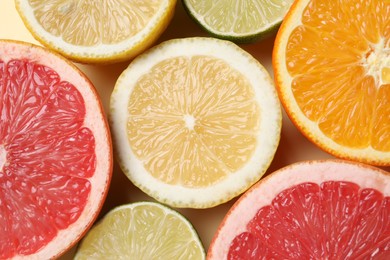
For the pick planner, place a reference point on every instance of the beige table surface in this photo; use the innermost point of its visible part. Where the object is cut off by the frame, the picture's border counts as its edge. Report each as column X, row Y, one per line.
column 293, row 146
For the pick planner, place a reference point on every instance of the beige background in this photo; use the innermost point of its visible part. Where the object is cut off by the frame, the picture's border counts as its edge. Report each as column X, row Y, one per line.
column 293, row 146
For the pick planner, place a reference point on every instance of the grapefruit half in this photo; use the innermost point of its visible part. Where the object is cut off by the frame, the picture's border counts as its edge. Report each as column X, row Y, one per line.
column 55, row 153
column 310, row 210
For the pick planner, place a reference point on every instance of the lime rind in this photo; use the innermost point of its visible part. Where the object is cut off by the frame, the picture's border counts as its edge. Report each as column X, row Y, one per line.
column 269, row 16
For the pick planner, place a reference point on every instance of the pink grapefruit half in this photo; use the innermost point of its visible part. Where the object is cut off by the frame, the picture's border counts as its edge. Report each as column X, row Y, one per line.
column 310, row 210
column 55, row 153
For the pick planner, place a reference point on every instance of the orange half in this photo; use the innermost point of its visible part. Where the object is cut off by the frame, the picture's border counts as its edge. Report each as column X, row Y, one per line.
column 332, row 61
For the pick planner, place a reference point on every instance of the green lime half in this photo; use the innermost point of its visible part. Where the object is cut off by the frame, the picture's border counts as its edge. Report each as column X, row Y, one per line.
column 238, row 20
column 142, row 230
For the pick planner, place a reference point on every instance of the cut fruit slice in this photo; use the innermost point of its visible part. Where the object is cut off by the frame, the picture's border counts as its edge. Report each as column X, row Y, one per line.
column 95, row 32
column 196, row 121
column 238, row 21
column 310, row 210
column 142, row 230
column 331, row 61
column 55, row 153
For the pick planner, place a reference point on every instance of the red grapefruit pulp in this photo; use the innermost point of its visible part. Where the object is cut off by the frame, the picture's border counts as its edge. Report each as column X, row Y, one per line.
column 310, row 210
column 55, row 152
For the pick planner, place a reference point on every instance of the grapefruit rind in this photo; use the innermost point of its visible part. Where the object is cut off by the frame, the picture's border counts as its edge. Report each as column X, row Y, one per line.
column 101, row 53
column 94, row 120
column 262, row 193
column 268, row 135
column 307, row 127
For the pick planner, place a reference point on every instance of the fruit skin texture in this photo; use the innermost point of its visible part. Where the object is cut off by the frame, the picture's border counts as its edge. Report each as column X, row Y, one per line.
column 107, row 54
column 310, row 129
column 94, row 121
column 245, row 209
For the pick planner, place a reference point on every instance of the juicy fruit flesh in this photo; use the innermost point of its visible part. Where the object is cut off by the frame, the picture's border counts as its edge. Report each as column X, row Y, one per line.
column 239, row 17
column 338, row 68
column 334, row 220
column 144, row 232
column 90, row 22
column 193, row 121
column 46, row 156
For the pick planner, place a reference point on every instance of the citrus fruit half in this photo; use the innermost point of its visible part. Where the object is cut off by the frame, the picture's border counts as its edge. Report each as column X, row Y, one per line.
column 310, row 210
column 195, row 121
column 142, row 230
column 238, row 21
column 55, row 152
column 96, row 32
column 332, row 61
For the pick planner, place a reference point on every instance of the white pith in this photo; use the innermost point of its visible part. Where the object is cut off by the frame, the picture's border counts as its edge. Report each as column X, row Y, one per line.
column 94, row 120
column 261, row 194
column 268, row 135
column 189, row 121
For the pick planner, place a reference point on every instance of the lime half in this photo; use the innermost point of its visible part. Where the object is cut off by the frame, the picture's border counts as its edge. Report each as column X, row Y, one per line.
column 142, row 230
column 238, row 20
